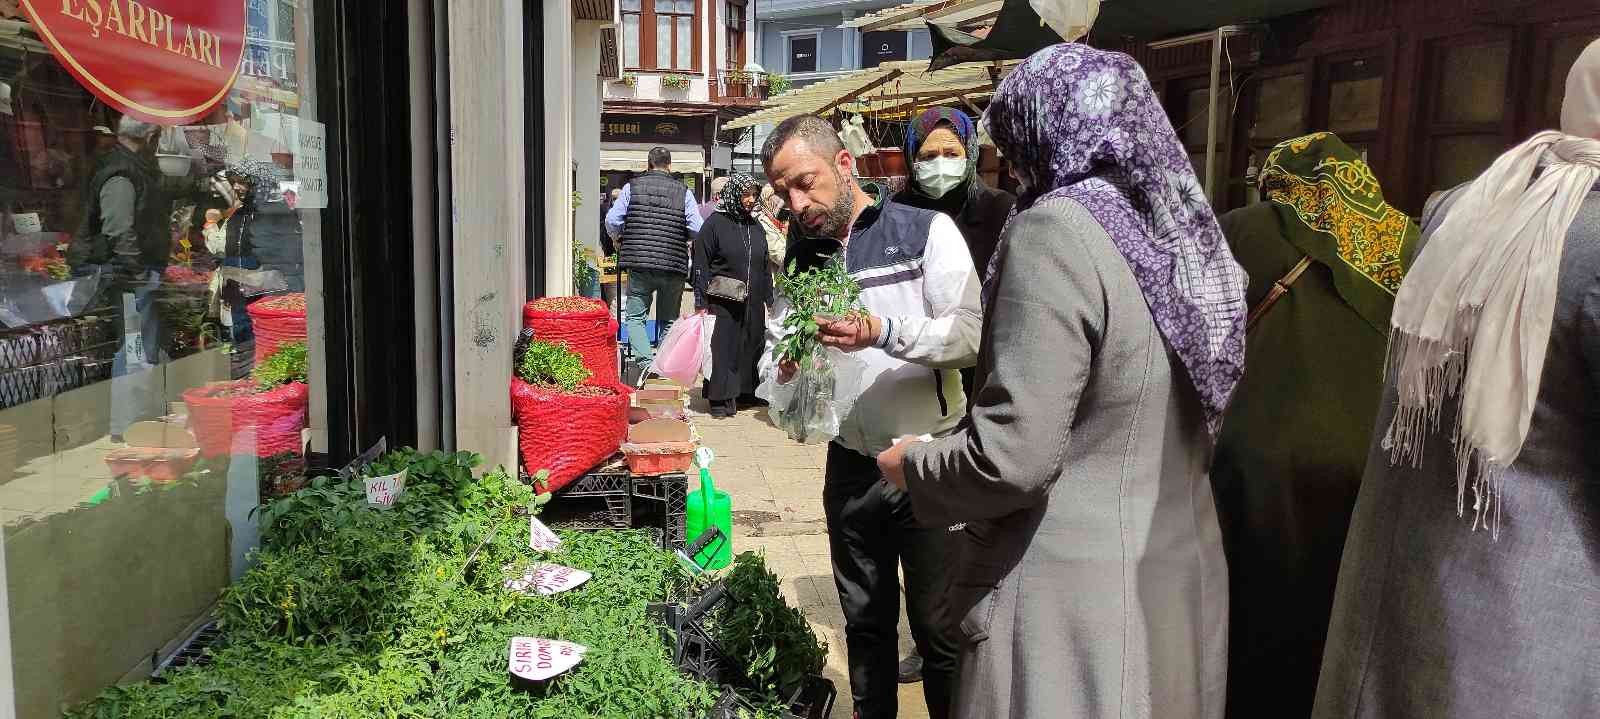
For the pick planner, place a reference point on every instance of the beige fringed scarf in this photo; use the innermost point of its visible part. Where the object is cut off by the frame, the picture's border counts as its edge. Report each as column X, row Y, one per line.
column 1473, row 317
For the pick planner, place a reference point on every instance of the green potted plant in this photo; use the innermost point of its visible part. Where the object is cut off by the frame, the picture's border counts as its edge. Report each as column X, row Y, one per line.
column 628, row 79
column 777, row 85
column 675, row 81
column 273, row 401
column 566, row 424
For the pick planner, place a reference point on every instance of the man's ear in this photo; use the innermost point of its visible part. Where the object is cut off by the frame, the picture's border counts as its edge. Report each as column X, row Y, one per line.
column 846, row 163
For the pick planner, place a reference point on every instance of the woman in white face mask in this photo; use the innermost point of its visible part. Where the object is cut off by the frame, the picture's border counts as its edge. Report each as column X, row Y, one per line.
column 942, row 145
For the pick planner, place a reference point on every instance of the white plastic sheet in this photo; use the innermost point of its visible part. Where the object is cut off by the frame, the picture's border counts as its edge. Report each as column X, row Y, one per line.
column 1071, row 19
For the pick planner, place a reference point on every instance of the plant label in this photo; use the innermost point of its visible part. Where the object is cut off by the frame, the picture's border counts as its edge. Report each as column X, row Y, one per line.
column 540, row 537
column 540, row 659
column 383, row 491
column 547, row 579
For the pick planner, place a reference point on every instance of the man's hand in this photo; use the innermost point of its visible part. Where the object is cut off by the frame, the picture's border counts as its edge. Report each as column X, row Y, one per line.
column 850, row 333
column 787, row 370
column 892, row 461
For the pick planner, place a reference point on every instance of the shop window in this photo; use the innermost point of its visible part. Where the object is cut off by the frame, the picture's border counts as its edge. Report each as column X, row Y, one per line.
column 735, row 31
column 1193, row 126
column 675, row 34
column 884, row 46
column 154, row 373
column 632, row 18
column 1460, row 158
column 659, row 35
column 803, row 53
column 1355, row 96
column 1472, row 83
column 1280, row 108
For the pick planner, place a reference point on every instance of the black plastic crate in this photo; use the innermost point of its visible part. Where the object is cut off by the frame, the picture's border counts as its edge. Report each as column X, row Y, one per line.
column 608, row 497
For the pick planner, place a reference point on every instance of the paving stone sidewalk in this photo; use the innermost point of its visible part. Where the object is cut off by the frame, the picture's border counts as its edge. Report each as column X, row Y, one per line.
column 776, row 488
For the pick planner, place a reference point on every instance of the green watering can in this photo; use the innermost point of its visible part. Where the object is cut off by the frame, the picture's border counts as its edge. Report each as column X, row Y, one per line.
column 710, row 508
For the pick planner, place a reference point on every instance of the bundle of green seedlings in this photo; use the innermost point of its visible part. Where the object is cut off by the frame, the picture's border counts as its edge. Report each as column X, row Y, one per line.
column 553, row 366
column 352, row 612
column 827, row 291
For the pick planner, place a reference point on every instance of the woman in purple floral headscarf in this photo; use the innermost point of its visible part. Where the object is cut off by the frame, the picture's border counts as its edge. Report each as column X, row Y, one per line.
column 1093, row 582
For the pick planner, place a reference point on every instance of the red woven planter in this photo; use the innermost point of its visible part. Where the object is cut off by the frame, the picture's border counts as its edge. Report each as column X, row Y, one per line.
column 277, row 416
column 277, row 320
column 585, row 325
column 567, row 434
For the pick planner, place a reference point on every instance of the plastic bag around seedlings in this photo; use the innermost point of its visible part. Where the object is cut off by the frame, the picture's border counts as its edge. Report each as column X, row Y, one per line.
column 804, row 406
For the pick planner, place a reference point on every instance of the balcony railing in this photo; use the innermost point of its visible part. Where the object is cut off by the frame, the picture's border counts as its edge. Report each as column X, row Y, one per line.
column 741, row 86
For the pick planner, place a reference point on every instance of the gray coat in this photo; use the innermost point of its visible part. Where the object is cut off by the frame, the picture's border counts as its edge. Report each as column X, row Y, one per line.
column 1093, row 582
column 1432, row 619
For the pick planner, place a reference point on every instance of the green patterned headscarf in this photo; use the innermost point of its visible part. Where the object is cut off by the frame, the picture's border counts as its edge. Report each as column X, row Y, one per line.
column 1331, row 207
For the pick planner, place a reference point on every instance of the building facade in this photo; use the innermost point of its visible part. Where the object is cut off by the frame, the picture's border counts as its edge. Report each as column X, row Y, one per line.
column 686, row 67
column 808, row 41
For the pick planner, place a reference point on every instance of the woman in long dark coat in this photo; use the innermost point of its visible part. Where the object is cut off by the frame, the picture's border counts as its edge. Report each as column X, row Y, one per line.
column 733, row 245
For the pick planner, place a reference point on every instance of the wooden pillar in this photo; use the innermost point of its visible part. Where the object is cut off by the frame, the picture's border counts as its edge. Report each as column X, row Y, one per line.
column 488, row 206
column 558, row 108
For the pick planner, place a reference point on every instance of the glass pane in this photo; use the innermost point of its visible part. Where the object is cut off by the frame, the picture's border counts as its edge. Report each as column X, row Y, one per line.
column 1354, row 105
column 142, row 279
column 631, row 5
column 1281, row 107
column 686, row 7
column 1462, row 158
column 663, row 41
column 685, row 42
column 1563, row 53
column 630, row 40
column 665, row 5
column 1195, row 125
column 803, row 54
column 1472, row 83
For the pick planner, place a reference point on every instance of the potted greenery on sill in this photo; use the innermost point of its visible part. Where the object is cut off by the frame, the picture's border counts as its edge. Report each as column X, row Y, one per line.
column 675, row 81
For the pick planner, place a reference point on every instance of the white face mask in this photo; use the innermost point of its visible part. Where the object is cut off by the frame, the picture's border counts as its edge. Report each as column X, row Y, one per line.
column 940, row 175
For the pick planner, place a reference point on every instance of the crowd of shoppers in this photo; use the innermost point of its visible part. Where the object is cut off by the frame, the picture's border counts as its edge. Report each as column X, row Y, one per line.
column 1198, row 466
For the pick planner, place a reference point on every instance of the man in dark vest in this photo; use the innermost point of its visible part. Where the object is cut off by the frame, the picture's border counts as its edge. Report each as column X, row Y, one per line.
column 126, row 239
column 654, row 220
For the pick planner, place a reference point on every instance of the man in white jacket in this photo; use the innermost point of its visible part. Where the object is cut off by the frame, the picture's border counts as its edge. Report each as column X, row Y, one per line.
column 922, row 297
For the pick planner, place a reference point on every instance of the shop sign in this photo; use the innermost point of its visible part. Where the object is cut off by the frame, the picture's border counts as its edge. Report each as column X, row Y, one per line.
column 382, row 492
column 540, row 659
column 310, row 165
column 163, row 61
column 664, row 130
column 540, row 537
column 546, row 579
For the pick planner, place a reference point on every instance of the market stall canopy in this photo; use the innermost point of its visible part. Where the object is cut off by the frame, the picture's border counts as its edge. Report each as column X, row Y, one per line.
column 629, row 159
column 914, row 15
column 1018, row 33
column 891, row 88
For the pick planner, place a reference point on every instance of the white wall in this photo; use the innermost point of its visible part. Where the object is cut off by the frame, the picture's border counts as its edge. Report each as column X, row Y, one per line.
column 559, row 120
column 586, row 94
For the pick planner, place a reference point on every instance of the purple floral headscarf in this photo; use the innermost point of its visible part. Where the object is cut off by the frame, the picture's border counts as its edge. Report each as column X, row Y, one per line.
column 1084, row 125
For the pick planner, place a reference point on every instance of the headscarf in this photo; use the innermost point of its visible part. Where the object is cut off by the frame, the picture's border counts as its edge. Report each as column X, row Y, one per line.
column 738, row 186
column 262, row 175
column 1473, row 316
column 1331, row 207
column 919, row 129
column 1084, row 124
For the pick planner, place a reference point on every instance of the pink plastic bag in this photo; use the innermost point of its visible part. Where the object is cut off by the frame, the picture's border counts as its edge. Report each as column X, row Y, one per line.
column 684, row 350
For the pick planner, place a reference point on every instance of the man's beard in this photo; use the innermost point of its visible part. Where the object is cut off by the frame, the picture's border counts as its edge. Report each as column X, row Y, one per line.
column 839, row 215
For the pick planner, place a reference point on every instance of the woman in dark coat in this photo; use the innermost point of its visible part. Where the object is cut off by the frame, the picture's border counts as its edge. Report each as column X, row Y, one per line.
column 943, row 146
column 733, row 246
column 1291, row 454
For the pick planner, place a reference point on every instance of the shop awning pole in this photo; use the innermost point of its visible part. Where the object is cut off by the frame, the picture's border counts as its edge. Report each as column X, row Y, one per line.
column 1211, row 115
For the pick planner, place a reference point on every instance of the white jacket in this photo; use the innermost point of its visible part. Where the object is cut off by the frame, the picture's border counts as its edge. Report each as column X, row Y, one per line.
column 917, row 276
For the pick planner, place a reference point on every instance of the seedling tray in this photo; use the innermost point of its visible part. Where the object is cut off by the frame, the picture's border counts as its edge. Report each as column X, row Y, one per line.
column 698, row 655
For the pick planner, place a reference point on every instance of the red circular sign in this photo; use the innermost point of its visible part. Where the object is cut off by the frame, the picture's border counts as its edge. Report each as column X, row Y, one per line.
column 163, row 61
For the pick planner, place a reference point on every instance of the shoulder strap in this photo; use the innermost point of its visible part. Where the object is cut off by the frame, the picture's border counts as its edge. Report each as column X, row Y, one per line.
column 1279, row 289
